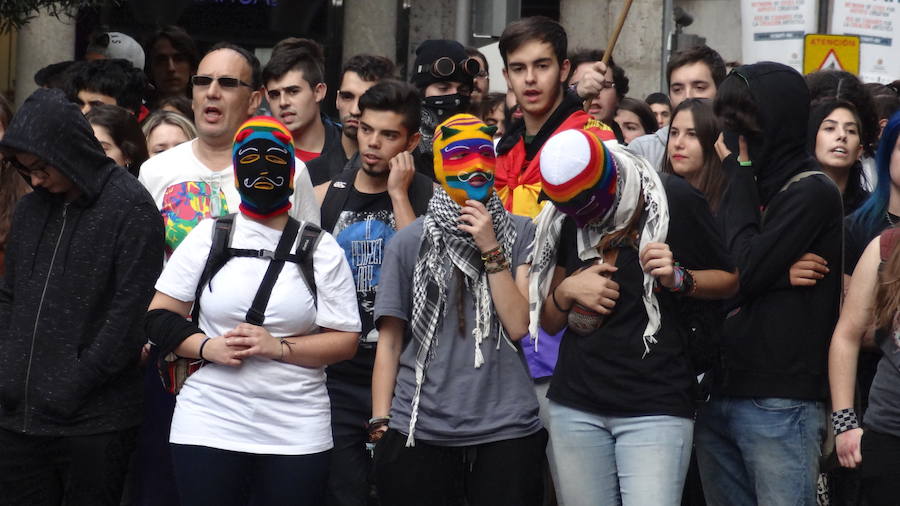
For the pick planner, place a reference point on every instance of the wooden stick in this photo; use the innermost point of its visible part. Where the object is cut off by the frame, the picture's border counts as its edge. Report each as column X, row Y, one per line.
column 615, row 36
column 611, row 45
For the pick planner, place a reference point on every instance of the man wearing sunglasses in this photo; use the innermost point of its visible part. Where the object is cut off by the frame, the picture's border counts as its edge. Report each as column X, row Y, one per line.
column 84, row 252
column 195, row 180
column 444, row 74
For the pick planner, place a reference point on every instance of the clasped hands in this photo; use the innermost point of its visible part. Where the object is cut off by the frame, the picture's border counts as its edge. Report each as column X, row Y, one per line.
column 241, row 342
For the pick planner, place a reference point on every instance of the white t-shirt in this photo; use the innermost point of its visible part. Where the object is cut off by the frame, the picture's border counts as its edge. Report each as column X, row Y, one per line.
column 262, row 406
column 187, row 191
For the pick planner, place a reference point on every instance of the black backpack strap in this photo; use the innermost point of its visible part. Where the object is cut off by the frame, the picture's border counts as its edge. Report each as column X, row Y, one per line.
column 336, row 197
column 420, row 191
column 256, row 315
column 219, row 253
column 309, row 239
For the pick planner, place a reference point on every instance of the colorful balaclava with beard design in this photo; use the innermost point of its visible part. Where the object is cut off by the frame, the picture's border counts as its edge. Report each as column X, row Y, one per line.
column 263, row 157
column 464, row 158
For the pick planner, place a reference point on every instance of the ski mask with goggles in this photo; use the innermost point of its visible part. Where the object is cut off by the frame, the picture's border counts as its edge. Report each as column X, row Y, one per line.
column 444, row 61
column 263, row 157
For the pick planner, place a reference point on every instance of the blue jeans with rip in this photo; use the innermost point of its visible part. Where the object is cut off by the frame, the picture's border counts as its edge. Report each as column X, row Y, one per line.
column 614, row 460
column 759, row 450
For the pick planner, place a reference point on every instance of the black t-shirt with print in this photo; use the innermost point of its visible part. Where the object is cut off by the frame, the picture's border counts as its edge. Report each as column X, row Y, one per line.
column 363, row 230
column 608, row 372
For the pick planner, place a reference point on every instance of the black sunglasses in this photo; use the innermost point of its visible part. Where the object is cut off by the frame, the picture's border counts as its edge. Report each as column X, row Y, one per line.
column 225, row 82
column 445, row 67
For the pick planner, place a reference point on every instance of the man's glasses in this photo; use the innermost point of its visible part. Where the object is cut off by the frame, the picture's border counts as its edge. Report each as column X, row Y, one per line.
column 225, row 82
column 27, row 172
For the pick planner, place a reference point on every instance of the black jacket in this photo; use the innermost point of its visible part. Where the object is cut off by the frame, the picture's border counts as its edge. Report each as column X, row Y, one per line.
column 79, row 278
column 332, row 160
column 776, row 337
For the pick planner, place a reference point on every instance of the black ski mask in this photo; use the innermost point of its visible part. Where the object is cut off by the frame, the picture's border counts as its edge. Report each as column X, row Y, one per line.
column 263, row 156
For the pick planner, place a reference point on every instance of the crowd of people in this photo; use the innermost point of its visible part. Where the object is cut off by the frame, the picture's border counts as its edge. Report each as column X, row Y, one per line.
column 557, row 295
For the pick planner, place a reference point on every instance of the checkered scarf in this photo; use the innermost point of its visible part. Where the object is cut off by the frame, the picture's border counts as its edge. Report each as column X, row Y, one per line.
column 636, row 178
column 442, row 240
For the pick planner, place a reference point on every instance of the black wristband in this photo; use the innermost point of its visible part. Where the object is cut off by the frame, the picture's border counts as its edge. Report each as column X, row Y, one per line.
column 167, row 329
column 205, row 340
column 555, row 303
column 844, row 420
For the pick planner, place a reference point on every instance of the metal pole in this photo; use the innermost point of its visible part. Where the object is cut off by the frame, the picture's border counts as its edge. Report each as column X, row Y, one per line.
column 464, row 22
column 823, row 16
column 667, row 22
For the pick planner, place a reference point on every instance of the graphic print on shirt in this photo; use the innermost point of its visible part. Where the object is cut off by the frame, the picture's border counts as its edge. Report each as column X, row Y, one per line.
column 184, row 205
column 364, row 235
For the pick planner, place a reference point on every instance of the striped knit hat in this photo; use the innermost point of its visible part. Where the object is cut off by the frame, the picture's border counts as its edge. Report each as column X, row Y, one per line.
column 263, row 157
column 578, row 174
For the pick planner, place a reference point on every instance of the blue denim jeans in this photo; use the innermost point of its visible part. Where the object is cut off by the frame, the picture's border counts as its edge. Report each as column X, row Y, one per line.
column 608, row 460
column 759, row 450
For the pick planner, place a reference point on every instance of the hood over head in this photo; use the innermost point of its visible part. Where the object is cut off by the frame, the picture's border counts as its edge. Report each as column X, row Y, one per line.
column 780, row 107
column 52, row 128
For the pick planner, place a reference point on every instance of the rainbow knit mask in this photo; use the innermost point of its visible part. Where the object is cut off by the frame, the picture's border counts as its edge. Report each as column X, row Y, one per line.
column 579, row 174
column 263, row 157
column 464, row 158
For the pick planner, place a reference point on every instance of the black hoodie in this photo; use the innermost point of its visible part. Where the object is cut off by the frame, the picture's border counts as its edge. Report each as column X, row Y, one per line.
column 79, row 278
column 776, row 338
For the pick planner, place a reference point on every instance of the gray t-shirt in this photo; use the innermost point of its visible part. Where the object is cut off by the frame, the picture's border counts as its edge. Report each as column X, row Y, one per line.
column 883, row 413
column 652, row 147
column 459, row 404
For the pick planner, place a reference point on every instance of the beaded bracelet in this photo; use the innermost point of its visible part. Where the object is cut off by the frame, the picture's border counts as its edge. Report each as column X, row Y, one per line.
column 492, row 255
column 496, row 266
column 844, row 420
column 679, row 279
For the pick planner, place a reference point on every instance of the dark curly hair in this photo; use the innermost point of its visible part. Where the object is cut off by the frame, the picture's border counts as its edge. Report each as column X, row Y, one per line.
column 827, row 85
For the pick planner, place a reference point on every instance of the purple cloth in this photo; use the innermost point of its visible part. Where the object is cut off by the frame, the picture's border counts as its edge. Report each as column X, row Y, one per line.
column 541, row 363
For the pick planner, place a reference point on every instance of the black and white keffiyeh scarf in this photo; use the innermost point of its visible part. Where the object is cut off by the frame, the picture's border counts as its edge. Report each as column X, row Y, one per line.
column 442, row 240
column 635, row 178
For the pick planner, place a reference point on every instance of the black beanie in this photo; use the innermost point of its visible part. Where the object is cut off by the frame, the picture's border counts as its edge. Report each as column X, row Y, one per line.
column 430, row 51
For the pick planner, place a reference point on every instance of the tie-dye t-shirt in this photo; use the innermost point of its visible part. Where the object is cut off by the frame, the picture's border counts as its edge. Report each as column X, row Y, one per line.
column 186, row 191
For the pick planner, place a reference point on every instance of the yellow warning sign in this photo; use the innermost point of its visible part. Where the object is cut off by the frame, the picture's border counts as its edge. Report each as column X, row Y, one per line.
column 830, row 52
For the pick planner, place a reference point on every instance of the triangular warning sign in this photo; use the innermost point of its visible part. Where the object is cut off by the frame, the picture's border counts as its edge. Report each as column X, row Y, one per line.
column 831, row 62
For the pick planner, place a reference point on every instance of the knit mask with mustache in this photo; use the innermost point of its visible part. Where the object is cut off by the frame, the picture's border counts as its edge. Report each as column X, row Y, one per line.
column 263, row 157
column 464, row 160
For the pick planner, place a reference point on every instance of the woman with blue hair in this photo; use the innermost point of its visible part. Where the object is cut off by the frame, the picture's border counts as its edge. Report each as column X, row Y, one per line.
column 871, row 304
column 882, row 208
